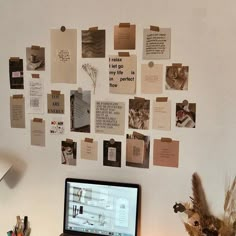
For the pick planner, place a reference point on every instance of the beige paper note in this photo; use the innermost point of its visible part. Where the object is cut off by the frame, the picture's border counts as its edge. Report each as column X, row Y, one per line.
column 110, row 117
column 35, row 99
column 89, row 150
column 161, row 115
column 124, row 37
column 56, row 103
column 122, row 74
column 166, row 153
column 151, row 78
column 64, row 56
column 135, row 151
column 38, row 132
column 156, row 44
column 17, row 111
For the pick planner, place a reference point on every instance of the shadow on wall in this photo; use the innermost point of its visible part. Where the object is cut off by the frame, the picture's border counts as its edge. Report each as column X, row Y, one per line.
column 14, row 175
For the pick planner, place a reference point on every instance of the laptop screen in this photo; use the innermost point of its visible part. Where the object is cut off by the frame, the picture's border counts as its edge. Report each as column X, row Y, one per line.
column 100, row 208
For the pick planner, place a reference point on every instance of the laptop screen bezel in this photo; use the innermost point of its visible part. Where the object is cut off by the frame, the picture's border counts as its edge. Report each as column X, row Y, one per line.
column 98, row 182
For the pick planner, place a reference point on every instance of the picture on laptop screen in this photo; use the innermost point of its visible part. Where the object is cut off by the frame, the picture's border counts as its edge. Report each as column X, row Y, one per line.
column 100, row 208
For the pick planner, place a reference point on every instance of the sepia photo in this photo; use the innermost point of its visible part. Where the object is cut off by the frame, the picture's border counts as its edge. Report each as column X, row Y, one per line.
column 177, row 77
column 139, row 113
column 186, row 114
column 35, row 58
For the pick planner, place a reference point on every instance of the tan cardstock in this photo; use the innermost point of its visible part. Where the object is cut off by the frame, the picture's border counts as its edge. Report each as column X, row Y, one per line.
column 89, row 150
column 64, row 56
column 166, row 153
column 124, row 36
column 17, row 112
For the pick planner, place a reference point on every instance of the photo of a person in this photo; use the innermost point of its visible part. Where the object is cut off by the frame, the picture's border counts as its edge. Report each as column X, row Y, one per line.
column 68, row 153
column 177, row 77
column 186, row 114
column 35, row 58
column 139, row 113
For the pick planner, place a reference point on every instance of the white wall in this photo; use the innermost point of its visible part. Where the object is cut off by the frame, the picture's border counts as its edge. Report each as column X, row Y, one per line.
column 203, row 37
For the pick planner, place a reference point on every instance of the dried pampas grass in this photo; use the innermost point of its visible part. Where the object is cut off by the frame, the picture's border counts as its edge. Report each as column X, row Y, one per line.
column 206, row 224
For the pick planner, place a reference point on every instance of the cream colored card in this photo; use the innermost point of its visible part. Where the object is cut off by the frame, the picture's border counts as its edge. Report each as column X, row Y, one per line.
column 17, row 111
column 161, row 115
column 124, row 36
column 151, row 78
column 89, row 150
column 110, row 117
column 166, row 153
column 135, row 151
column 157, row 44
column 56, row 103
column 35, row 96
column 38, row 132
column 122, row 74
column 64, row 56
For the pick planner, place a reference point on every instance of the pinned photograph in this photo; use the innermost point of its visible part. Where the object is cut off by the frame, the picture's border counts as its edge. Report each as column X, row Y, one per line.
column 177, row 77
column 186, row 114
column 137, row 150
column 111, row 153
column 57, row 126
column 139, row 113
column 35, row 58
column 68, row 152
column 93, row 43
column 16, row 73
column 80, row 110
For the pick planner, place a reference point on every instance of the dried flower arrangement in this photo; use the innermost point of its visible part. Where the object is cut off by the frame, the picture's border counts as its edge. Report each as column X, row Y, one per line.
column 92, row 72
column 199, row 219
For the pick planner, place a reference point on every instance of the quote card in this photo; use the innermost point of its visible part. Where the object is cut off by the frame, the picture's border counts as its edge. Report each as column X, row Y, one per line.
column 110, row 117
column 35, row 96
column 35, row 58
column 68, row 152
column 156, row 44
column 161, row 114
column 38, row 132
column 124, row 36
column 16, row 73
column 56, row 102
column 151, row 78
column 17, row 111
column 111, row 153
column 166, row 153
column 137, row 150
column 89, row 149
column 80, row 110
column 93, row 43
column 122, row 74
column 64, row 56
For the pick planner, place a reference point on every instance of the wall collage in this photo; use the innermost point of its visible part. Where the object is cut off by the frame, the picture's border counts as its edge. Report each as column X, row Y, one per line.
column 110, row 116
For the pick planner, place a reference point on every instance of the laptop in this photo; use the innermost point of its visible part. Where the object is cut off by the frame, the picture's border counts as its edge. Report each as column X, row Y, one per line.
column 100, row 208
